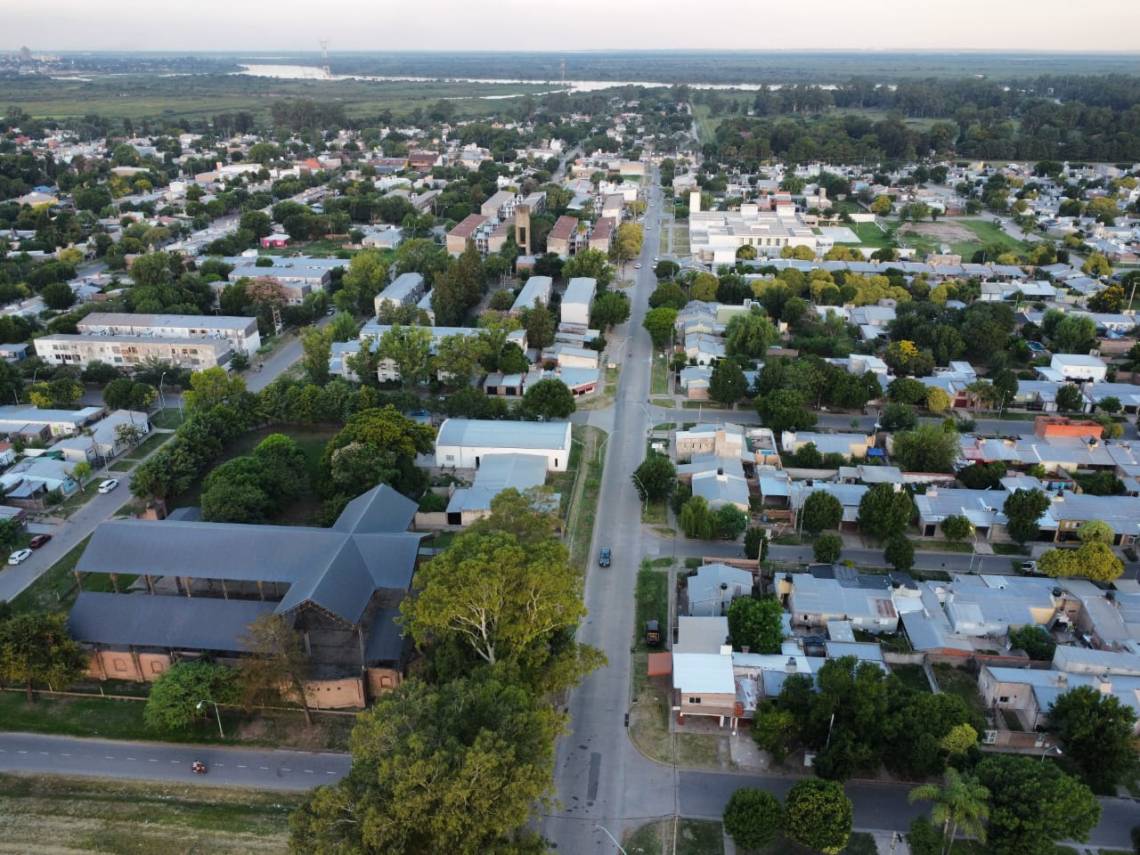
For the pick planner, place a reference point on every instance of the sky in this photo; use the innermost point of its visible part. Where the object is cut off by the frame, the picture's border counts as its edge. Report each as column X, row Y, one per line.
column 293, row 25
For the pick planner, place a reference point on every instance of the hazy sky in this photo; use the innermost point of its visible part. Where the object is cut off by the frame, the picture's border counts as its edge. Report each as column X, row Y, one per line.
column 580, row 25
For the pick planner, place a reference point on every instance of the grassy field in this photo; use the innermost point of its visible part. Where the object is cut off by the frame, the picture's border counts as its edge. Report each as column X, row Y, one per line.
column 151, row 443
column 659, row 378
column 913, row 676
column 168, row 418
column 652, row 600
column 56, row 589
column 584, row 507
column 955, row 681
column 681, row 240
column 312, row 442
column 50, row 814
column 963, row 236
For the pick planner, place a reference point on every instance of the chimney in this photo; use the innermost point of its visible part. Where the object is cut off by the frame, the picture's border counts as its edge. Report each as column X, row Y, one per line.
column 791, row 666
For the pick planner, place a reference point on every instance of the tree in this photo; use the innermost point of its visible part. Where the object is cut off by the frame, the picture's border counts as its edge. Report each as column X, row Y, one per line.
column 82, row 472
column 697, row 520
column 937, row 400
column 655, row 478
column 821, row 511
column 62, row 392
column 1070, row 399
column 459, row 288
column 957, row 528
column 377, row 446
column 1096, row 264
column 818, row 815
column 959, row 802
column 455, row 767
column 539, row 324
column 494, row 595
column 784, row 410
column 1033, row 805
column 628, row 241
column 1022, row 509
column 827, row 548
column 277, row 663
column 1094, row 560
column 458, row 358
column 756, row 624
column 749, row 335
column 591, row 264
column 659, row 323
column 410, row 349
column 316, row 346
column 1096, row 531
column 753, row 818
column 212, row 388
column 881, row 206
column 367, row 276
column 898, row 417
column 549, row 399
column 899, row 553
column 927, row 448
column 961, row 738
column 1110, row 405
column 982, row 476
column 1034, row 640
column 125, row 394
column 609, row 309
column 58, row 296
column 1109, row 299
column 173, row 702
column 730, row 522
column 727, row 384
column 35, row 647
column 885, row 512
column 1096, row 730
column 755, row 543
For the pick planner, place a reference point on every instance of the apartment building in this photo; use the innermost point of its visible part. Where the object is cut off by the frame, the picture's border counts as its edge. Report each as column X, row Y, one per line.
column 239, row 331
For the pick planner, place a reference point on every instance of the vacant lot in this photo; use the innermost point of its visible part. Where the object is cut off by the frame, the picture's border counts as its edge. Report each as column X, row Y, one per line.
column 48, row 814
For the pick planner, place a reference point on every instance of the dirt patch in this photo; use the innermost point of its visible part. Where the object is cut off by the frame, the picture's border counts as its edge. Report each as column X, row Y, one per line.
column 944, row 231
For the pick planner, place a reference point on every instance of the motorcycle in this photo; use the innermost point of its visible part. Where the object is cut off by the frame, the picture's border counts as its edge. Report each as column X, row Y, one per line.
column 198, row 767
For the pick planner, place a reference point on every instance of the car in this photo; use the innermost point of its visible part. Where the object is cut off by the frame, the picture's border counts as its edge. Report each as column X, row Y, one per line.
column 1029, row 568
column 20, row 555
column 604, row 557
column 108, row 485
column 637, row 266
column 39, row 540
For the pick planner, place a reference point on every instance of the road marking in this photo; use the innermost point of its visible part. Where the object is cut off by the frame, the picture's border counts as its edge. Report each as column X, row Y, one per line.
column 242, row 766
column 21, row 751
column 174, row 762
column 286, row 769
column 308, row 771
column 131, row 758
column 64, row 754
column 219, row 765
column 151, row 759
column 43, row 753
column 263, row 768
column 330, row 773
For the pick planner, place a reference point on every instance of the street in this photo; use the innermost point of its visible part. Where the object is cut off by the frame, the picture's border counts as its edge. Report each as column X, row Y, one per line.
column 159, row 761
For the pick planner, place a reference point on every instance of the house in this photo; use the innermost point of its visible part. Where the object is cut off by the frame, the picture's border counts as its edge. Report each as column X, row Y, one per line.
column 406, row 290
column 240, row 332
column 577, row 299
column 725, row 440
column 710, row 591
column 496, row 473
column 703, row 349
column 1075, row 367
column 602, row 235
column 277, row 240
column 31, row 422
column 16, row 352
column 694, row 380
column 382, row 238
column 536, row 290
column 719, row 481
column 570, row 356
column 463, row 443
column 1029, row 693
column 297, row 275
column 981, row 507
column 852, row 445
column 25, row 482
column 561, row 238
column 865, row 601
column 202, row 584
column 464, row 231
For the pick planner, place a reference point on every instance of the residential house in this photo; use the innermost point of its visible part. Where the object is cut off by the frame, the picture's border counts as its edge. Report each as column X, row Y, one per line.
column 710, row 591
column 463, row 443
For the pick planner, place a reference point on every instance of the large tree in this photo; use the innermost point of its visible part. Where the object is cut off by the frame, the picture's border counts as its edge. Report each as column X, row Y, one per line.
column 35, row 648
column 753, row 818
column 821, row 511
column 184, row 694
column 410, row 349
column 1094, row 561
column 749, row 335
column 885, row 511
column 548, row 399
column 628, row 241
column 316, row 347
column 727, row 384
column 1033, row 805
column 656, row 477
column 928, row 448
column 367, row 276
column 1096, row 731
column 785, row 409
column 819, row 815
column 609, row 310
column 1023, row 509
column 378, row 446
column 277, row 665
column 659, row 323
column 457, row 767
column 756, row 624
column 459, row 289
column 495, row 596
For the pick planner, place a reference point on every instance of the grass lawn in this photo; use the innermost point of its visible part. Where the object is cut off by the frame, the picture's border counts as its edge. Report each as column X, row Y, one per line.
column 681, row 239
column 913, row 676
column 108, row 718
column 584, row 507
column 77, row 499
column 122, row 466
column 987, row 233
column 168, row 418
column 652, row 600
column 151, row 443
column 699, row 837
column 668, row 403
column 659, row 377
column 312, row 441
column 955, row 681
column 860, row 843
column 942, row 546
column 1009, row 549
column 47, row 813
column 654, row 513
column 663, row 242
column 871, row 235
column 55, row 589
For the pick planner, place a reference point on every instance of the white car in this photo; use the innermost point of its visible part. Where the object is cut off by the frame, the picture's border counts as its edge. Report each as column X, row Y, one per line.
column 637, row 266
column 108, row 485
column 20, row 555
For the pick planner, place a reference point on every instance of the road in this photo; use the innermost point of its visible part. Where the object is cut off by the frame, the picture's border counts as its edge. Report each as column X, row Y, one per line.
column 159, row 761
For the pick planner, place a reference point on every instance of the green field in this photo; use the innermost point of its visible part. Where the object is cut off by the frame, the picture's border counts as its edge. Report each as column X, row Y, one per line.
column 205, row 96
column 963, row 236
column 50, row 814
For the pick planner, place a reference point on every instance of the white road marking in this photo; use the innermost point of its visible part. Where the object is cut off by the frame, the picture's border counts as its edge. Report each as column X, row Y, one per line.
column 242, row 766
column 130, row 758
column 43, row 753
column 21, row 751
column 286, row 769
column 330, row 773
column 308, row 771
column 263, row 768
column 64, row 754
column 108, row 757
column 151, row 759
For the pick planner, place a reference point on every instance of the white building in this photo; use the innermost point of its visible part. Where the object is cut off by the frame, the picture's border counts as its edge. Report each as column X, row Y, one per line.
column 240, row 332
column 407, row 289
column 462, row 443
column 537, row 289
column 1079, row 367
column 577, row 300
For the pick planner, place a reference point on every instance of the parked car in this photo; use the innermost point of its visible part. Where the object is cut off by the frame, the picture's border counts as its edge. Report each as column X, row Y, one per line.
column 1029, row 568
column 19, row 556
column 108, row 485
column 604, row 557
column 39, row 540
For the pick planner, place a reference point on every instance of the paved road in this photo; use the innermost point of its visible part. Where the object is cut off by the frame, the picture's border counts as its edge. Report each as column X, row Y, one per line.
column 159, row 761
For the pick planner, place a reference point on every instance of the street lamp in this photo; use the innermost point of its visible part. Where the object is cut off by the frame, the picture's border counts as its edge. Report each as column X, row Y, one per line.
column 161, row 396
column 202, row 705
column 1052, row 749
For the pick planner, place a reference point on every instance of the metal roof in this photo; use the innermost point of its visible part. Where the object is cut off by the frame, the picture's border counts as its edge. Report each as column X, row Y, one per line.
column 489, row 433
column 196, row 623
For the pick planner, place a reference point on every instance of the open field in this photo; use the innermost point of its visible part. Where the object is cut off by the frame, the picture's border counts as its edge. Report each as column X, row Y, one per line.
column 205, row 96
column 55, row 590
column 50, row 814
column 963, row 236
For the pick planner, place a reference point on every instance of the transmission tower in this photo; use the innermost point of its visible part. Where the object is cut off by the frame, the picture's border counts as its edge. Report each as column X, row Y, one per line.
column 325, row 57
column 563, row 67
